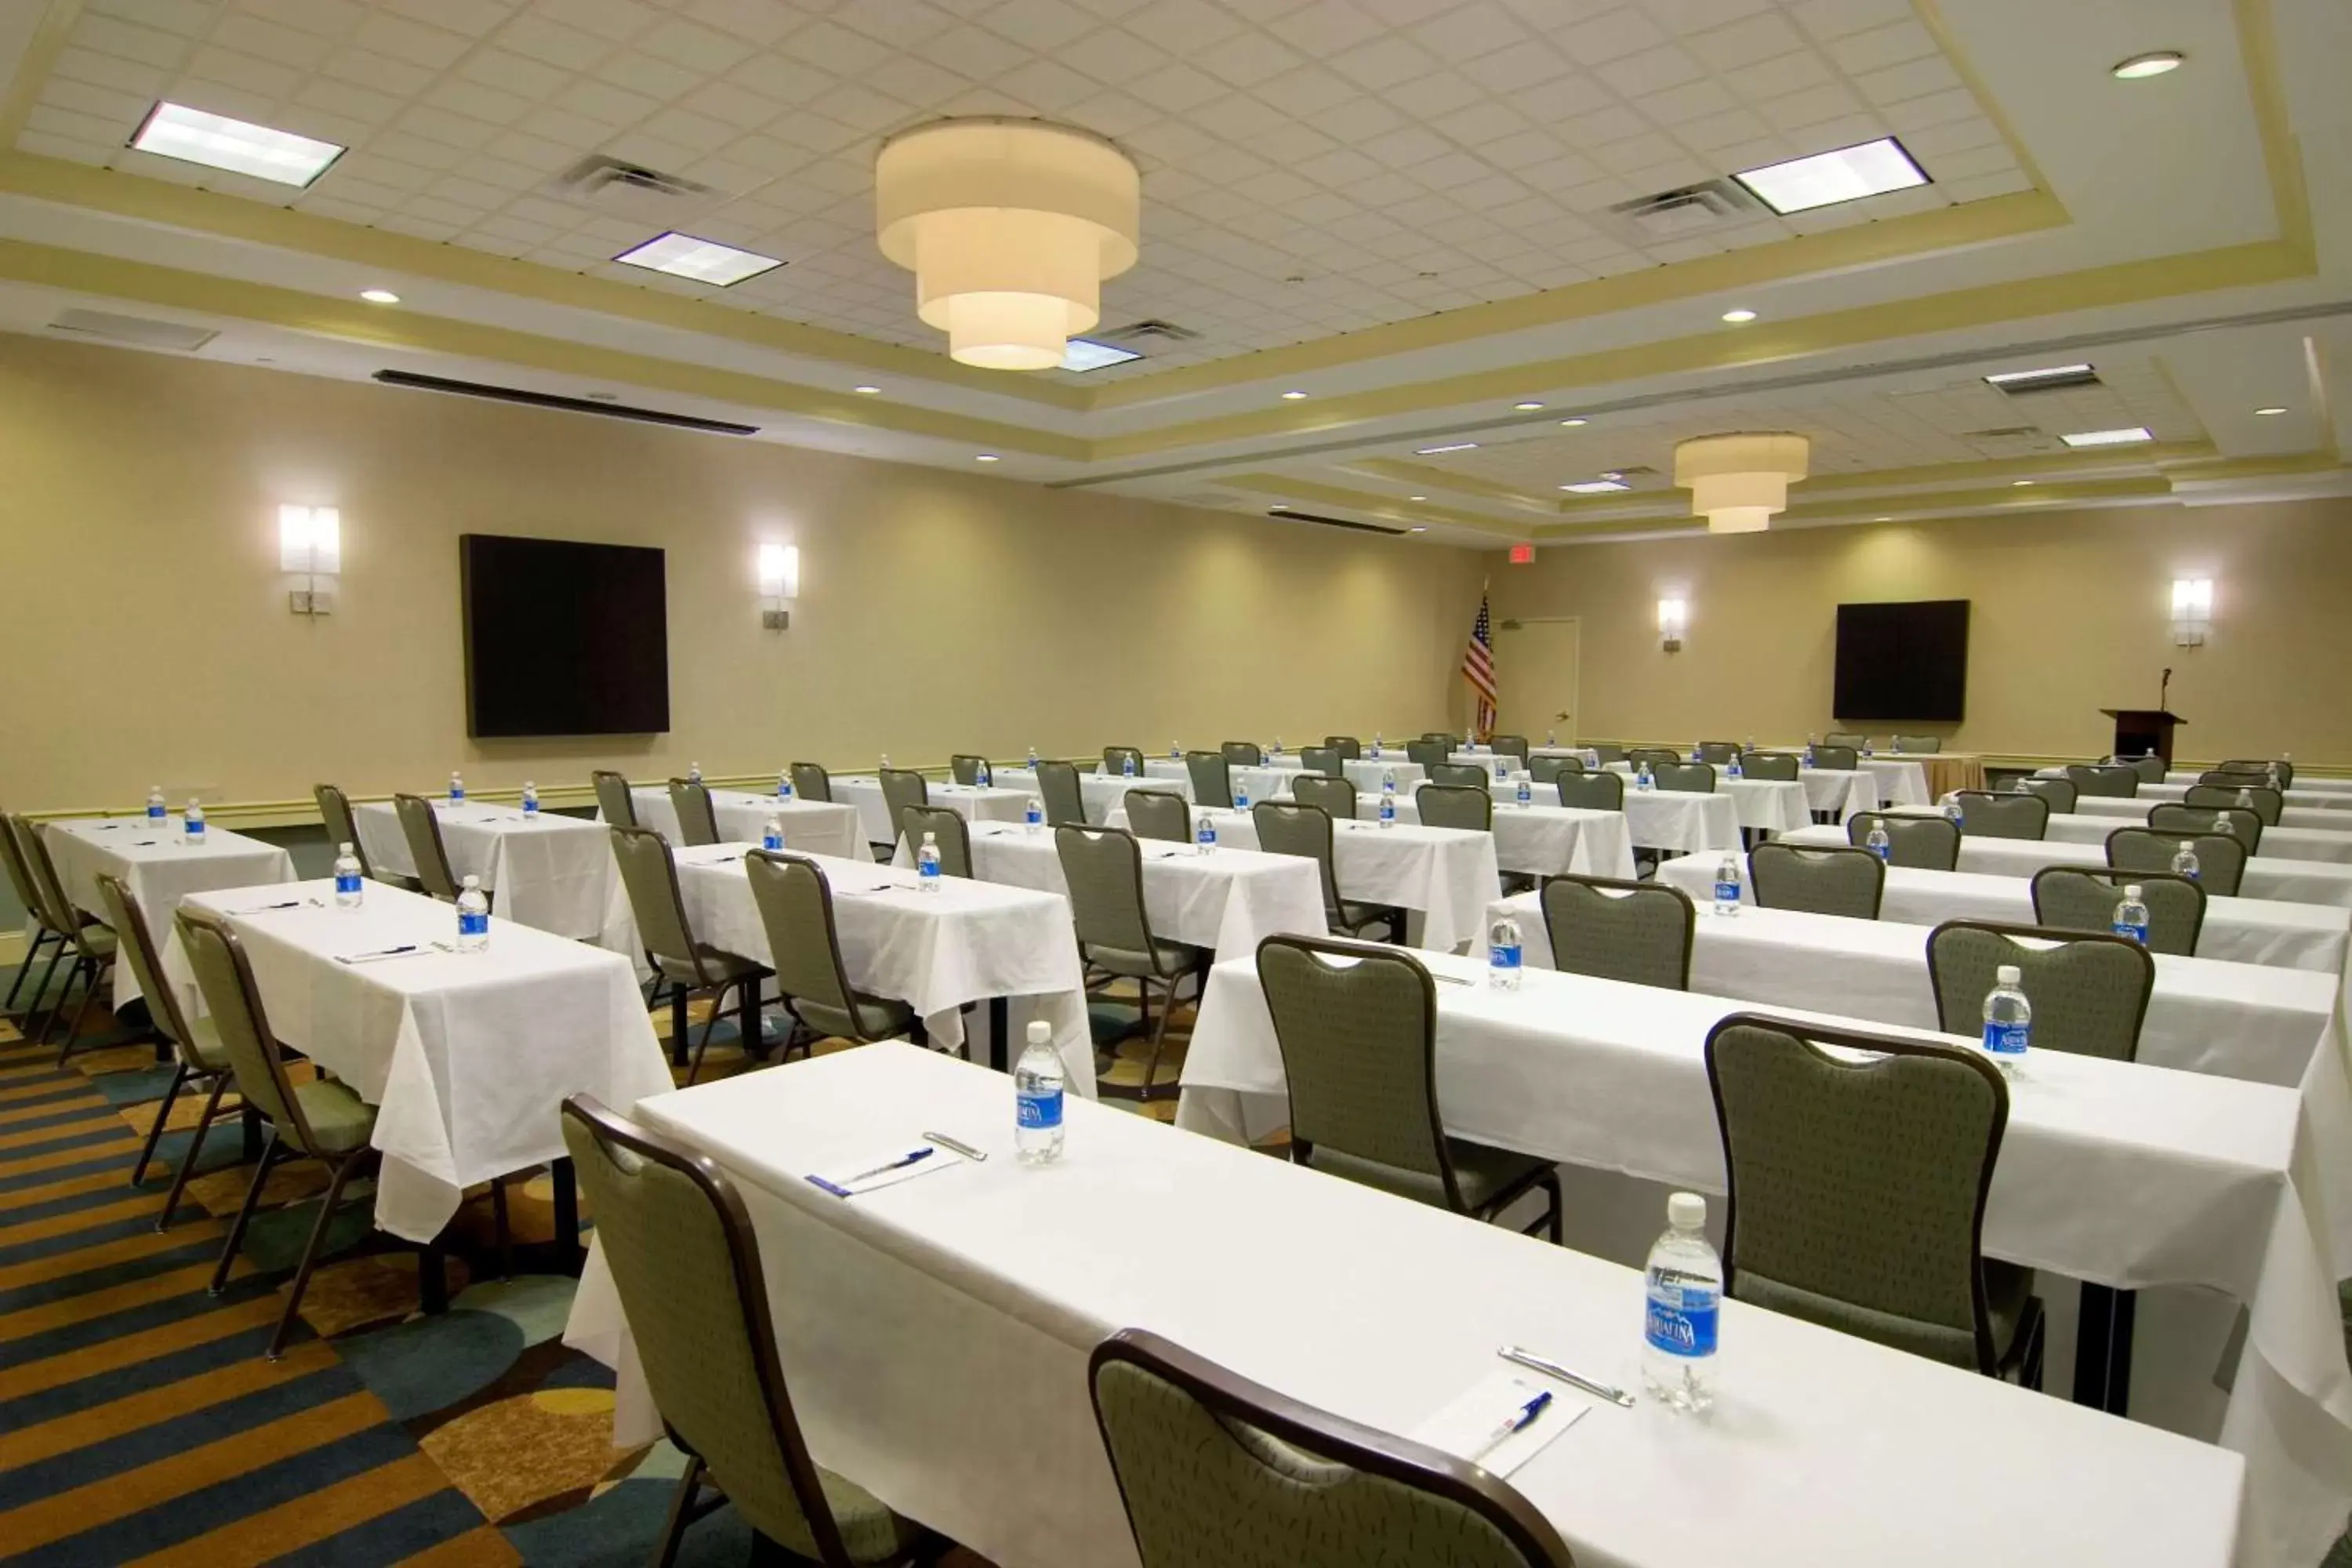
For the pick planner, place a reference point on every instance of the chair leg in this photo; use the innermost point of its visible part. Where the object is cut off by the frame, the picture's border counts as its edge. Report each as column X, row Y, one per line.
column 1159, row 1038
column 162, row 1114
column 677, row 1025
column 681, row 1512
column 342, row 1173
column 245, row 1211
column 196, row 1147
column 57, row 1007
column 703, row 1045
column 504, row 1232
column 32, row 957
column 748, row 1016
column 33, row 1003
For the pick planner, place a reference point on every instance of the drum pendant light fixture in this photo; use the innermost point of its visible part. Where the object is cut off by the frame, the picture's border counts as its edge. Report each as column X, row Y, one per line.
column 1010, row 227
column 1738, row 482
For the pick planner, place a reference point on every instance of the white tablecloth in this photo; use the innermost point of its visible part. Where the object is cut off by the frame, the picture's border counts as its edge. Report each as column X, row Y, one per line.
column 1100, row 794
column 2306, row 781
column 2241, row 931
column 2330, row 800
column 1543, row 840
column 1839, row 790
column 2280, row 843
column 467, row 1057
column 556, row 873
column 1262, row 783
column 973, row 804
column 2124, row 813
column 1773, row 805
column 969, row 942
column 1824, row 1450
column 2121, row 1175
column 811, row 827
column 2295, row 881
column 160, row 868
column 1680, row 821
column 1901, row 782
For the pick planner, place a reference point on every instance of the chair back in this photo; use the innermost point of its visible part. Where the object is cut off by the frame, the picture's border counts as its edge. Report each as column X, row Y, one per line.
column 1350, row 749
column 1922, row 843
column 1064, row 801
column 1605, row 752
column 422, row 829
column 2263, row 801
column 1356, row 1026
column 1446, row 738
column 2148, row 769
column 948, row 831
column 2103, row 779
column 1428, row 754
column 1104, row 869
column 1844, row 759
column 30, row 866
column 2061, row 794
column 1717, row 753
column 1656, row 756
column 2089, row 991
column 2260, row 766
column 1115, row 758
column 902, row 787
column 1242, row 753
column 1602, row 791
column 1336, row 797
column 649, row 876
column 20, row 874
column 1216, row 1469
column 1915, row 745
column 137, row 945
column 1324, row 759
column 795, row 903
column 1468, row 807
column 224, row 980
column 686, row 1265
column 2078, row 898
column 811, row 781
column 342, row 828
column 1639, row 933
column 1984, row 815
column 614, row 802
column 2221, row 858
column 967, row 769
column 1686, row 778
column 1857, row 1188
column 1852, row 738
column 1781, row 767
column 1510, row 746
column 1465, row 776
column 1163, row 814
column 2235, row 778
column 1212, row 778
column 697, row 822
column 1848, row 882
column 1544, row 770
column 2178, row 819
column 1288, row 828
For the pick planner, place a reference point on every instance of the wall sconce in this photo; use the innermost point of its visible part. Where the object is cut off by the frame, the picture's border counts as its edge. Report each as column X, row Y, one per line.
column 1673, row 618
column 2192, row 610
column 779, row 580
column 310, row 541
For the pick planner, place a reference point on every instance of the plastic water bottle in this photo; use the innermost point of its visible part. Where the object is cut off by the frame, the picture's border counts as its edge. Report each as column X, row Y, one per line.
column 1175, row 753
column 1525, row 793
column 473, row 917
column 771, row 837
column 1127, row 765
column 987, row 779
column 2184, row 861
column 1809, row 751
column 348, row 890
column 1033, row 815
column 1877, row 843
column 2222, row 824
column 1697, row 753
column 1685, row 1301
column 1591, row 761
column 1376, row 745
column 1038, row 1080
column 1388, row 798
column 1033, row 759
column 1642, row 779
column 2008, row 1017
column 1733, row 770
column 1504, row 953
column 927, row 863
column 2131, row 915
column 530, row 801
column 2271, row 775
column 1727, row 886
column 1278, row 745
column 1865, row 745
column 1749, row 746
column 1241, row 793
column 885, row 762
column 456, row 789
column 784, row 785
column 1954, row 814
column 1205, row 841
column 693, row 773
column 1551, row 739
column 194, row 820
column 157, row 812
column 2245, row 800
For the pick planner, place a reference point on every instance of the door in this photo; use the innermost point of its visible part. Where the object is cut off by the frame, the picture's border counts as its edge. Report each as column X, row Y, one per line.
column 1535, row 675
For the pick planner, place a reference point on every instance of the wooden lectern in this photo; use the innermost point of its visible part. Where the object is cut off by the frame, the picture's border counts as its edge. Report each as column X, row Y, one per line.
column 2139, row 730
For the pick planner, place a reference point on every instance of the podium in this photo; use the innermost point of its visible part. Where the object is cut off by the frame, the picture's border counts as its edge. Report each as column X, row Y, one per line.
column 2139, row 730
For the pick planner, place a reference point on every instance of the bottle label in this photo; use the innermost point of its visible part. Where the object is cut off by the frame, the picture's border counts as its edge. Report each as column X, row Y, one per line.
column 1726, row 893
column 195, row 828
column 2188, row 871
column 1682, row 1318
column 2008, row 1039
column 470, row 924
column 2137, row 933
column 530, row 809
column 1884, row 851
column 155, row 812
column 1504, row 957
column 1040, row 1108
column 456, row 793
column 769, row 841
column 347, row 882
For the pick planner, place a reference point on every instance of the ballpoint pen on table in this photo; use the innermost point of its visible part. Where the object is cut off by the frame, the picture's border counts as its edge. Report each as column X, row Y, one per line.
column 1510, row 1425
column 846, row 1186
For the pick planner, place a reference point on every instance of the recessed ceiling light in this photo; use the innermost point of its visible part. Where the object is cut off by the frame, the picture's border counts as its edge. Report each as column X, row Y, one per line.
column 193, row 136
column 1085, row 353
column 1292, row 397
column 1451, row 447
column 1739, row 318
column 1612, row 474
column 2266, row 413
column 703, row 260
column 1882, row 520
column 1572, row 424
column 868, row 391
column 2124, row 437
column 1417, row 528
column 2047, row 376
column 1527, row 407
column 2020, row 483
column 1849, row 173
column 2156, row 62
column 1416, row 498
column 986, row 458
column 1596, row 487
column 380, row 295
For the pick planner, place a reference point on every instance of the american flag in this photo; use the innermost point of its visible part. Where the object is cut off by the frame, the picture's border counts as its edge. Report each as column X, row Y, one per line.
column 1478, row 669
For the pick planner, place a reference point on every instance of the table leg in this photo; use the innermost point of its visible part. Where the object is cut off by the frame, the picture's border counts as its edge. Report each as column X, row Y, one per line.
column 2103, row 1349
column 568, row 1255
column 432, row 1278
column 677, row 1025
column 999, row 1025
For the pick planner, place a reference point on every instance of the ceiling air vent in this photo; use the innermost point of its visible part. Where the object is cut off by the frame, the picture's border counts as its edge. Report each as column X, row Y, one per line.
column 1684, row 211
column 2006, row 433
column 138, row 331
column 1289, row 514
column 1145, row 330
column 2018, row 383
column 630, row 190
column 566, row 405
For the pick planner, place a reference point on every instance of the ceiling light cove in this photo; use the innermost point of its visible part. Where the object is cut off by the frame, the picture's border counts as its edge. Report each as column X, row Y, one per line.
column 380, row 295
column 2040, row 380
column 1527, row 407
column 987, row 457
column 1574, row 423
column 702, row 261
column 867, row 391
column 2267, row 413
column 2125, row 438
column 193, row 136
column 1449, row 447
column 1739, row 318
column 1825, row 179
column 2139, row 67
column 1292, row 397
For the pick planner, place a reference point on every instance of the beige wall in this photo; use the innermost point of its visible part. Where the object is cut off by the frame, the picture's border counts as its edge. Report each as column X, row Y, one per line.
column 2069, row 613
column 150, row 640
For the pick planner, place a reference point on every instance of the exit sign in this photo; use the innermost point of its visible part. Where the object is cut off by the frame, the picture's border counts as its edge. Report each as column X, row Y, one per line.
column 1523, row 554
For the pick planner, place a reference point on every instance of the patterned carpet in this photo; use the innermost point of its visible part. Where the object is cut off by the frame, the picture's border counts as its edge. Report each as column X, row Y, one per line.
column 141, row 1423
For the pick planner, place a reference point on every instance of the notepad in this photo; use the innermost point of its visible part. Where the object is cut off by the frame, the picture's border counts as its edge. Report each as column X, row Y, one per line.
column 882, row 1168
column 1465, row 1426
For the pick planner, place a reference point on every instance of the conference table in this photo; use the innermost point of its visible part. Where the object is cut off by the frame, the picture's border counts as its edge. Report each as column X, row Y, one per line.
column 818, row 826
column 2121, row 1175
column 159, row 864
column 1259, row 781
column 2280, row 843
column 552, row 871
column 1099, row 794
column 2191, row 776
column 1365, row 772
column 1539, row 839
column 1764, row 806
column 1678, row 821
column 2305, row 796
column 2128, row 812
column 936, row 1333
column 973, row 803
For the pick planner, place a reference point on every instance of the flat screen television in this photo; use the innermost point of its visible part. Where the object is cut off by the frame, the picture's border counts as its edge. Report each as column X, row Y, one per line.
column 1907, row 663
column 564, row 639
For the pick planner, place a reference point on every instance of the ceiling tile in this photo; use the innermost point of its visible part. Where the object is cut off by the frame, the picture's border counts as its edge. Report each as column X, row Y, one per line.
column 471, row 17
column 549, row 43
column 1112, row 56
column 1917, row 78
column 1039, row 25
column 411, row 41
column 245, row 72
column 617, row 21
column 1248, row 59
column 758, row 21
column 1521, row 66
column 146, row 46
column 1326, row 27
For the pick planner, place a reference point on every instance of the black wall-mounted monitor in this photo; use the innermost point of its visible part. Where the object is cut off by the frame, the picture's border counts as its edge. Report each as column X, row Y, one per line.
column 564, row 639
column 1907, row 663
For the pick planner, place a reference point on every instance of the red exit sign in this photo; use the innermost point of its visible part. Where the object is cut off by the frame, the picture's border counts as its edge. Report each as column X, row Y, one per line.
column 1523, row 554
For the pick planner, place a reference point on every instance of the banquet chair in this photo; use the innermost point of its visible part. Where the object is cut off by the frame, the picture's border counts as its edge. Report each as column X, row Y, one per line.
column 1856, row 1191
column 1163, row 814
column 1639, row 933
column 1984, row 815
column 1922, row 843
column 1213, row 1468
column 1446, row 738
column 1684, row 778
column 697, row 822
column 2089, row 990
column 1104, row 869
column 2262, row 765
column 1350, row 749
column 1717, row 754
column 614, row 802
column 1914, row 746
column 1853, row 739
column 1242, row 753
column 1656, row 756
column 87, row 940
column 690, row 966
column 38, row 910
column 1428, row 754
column 1469, row 808
column 2077, row 897
column 811, row 781
column 2237, row 778
column 968, row 770
column 795, row 904
column 2221, row 858
column 1212, row 778
column 1115, row 758
column 1064, row 801
column 1460, row 775
column 2146, row 769
column 949, row 835
column 1842, row 759
column 1288, row 828
column 2061, row 794
column 685, row 1263
column 2177, row 818
column 422, row 829
column 2103, row 779
column 902, row 787
column 1357, row 1026
column 1848, row 882
column 2261, row 799
column 1510, row 746
column 1778, row 767
column 1336, row 797
column 320, row 1119
column 1545, row 770
column 201, row 1060
column 1322, row 759
column 1603, row 791
column 1605, row 752
column 343, row 827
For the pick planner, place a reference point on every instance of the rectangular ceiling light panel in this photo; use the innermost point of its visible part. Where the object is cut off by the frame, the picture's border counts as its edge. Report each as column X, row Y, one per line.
column 703, row 260
column 1825, row 179
column 194, row 136
column 1085, row 353
column 2109, row 437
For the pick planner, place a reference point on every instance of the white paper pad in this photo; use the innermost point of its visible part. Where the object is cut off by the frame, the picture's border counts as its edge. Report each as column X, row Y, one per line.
column 839, row 1182
column 1465, row 1427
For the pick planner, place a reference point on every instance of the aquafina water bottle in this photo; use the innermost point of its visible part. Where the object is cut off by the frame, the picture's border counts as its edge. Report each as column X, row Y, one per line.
column 2184, row 861
column 1733, row 769
column 473, row 917
column 157, row 812
column 1038, row 1081
column 1878, row 843
column 1033, row 815
column 1127, row 764
column 193, row 820
column 1388, row 797
column 1033, row 759
column 771, row 837
column 784, row 784
column 349, row 884
column 693, row 773
column 1685, row 1287
column 1504, row 953
column 456, row 789
column 1727, row 886
column 1502, row 767
column 2130, row 918
column 1241, row 793
column 1642, row 779
column 927, row 863
column 1205, row 839
column 1525, row 794
column 529, row 800
column 2008, row 1017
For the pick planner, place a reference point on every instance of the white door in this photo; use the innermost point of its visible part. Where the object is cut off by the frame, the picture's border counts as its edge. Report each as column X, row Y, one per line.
column 1535, row 671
